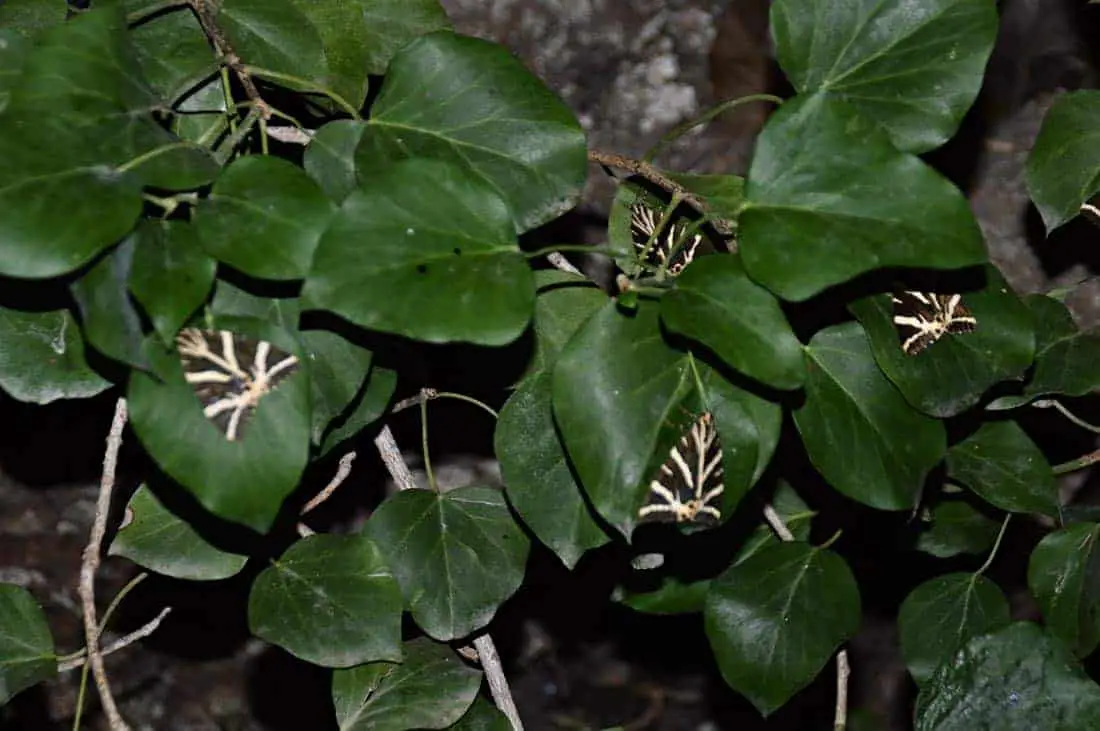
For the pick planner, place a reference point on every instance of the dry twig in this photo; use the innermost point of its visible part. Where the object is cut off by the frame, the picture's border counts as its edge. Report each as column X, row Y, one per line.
column 90, row 565
column 77, row 660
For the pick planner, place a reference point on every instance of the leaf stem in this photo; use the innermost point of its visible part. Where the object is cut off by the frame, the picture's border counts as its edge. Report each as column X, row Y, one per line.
column 468, row 399
column 684, row 128
column 424, row 444
column 996, row 546
column 1075, row 418
column 1078, row 464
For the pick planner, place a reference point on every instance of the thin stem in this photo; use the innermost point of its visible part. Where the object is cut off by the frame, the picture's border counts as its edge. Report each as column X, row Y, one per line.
column 77, row 659
column 843, row 672
column 468, row 399
column 702, row 119
column 424, row 445
column 206, row 16
column 559, row 262
column 996, row 546
column 90, row 565
column 342, row 472
column 1078, row 464
column 579, row 248
column 1075, row 418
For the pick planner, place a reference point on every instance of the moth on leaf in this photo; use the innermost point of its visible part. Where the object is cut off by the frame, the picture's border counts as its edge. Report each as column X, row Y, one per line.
column 230, row 374
column 922, row 318
column 659, row 248
column 690, row 480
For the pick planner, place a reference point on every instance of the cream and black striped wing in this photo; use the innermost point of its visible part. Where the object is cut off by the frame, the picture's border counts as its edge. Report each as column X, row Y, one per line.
column 230, row 373
column 688, row 486
column 656, row 245
column 922, row 318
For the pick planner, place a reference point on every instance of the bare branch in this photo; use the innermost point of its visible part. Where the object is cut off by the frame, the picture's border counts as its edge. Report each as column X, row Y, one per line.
column 90, row 565
column 486, row 650
column 342, row 473
column 72, row 663
column 206, row 12
column 559, row 261
column 291, row 135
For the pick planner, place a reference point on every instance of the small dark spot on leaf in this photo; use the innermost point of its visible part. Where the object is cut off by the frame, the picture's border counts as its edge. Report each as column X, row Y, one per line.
column 421, row 268
column 458, row 251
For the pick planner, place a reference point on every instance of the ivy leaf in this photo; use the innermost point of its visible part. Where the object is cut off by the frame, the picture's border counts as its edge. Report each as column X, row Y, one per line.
column 368, row 406
column 338, row 371
column 243, row 480
column 29, row 17
column 795, row 514
column 236, row 302
column 42, row 358
column 1063, row 169
column 816, row 213
column 472, row 103
column 716, row 304
column 264, row 216
column 942, row 615
column 563, row 303
column 615, row 384
column 172, row 52
column 1016, row 679
column 13, row 52
column 724, row 194
column 1064, row 577
column 330, row 157
column 1065, row 358
column 422, row 249
column 330, row 600
column 775, row 619
column 483, row 716
column 890, row 448
column 27, row 655
column 457, row 556
column 957, row 528
column 111, row 322
column 672, row 596
column 360, row 36
column 430, row 689
column 913, row 69
column 274, row 35
column 952, row 374
column 537, row 476
column 158, row 540
column 1004, row 467
column 169, row 275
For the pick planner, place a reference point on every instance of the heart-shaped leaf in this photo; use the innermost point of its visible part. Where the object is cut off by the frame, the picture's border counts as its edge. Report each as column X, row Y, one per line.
column 775, row 619
column 943, row 614
column 42, row 358
column 1063, row 169
column 153, row 537
column 274, row 35
column 338, row 371
column 457, row 555
column 330, row 157
column 716, row 304
column 422, row 249
column 472, row 103
column 170, row 276
column 537, row 476
column 957, row 528
column 1065, row 357
column 111, row 322
column 914, row 69
column 483, row 716
column 430, row 689
column 1016, row 679
column 1064, row 577
column 817, row 213
column 330, row 600
column 563, row 303
column 26, row 647
column 1005, row 468
column 849, row 401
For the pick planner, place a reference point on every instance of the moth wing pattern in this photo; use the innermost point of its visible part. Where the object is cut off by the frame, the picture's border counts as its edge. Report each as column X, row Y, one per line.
column 230, row 373
column 644, row 222
column 922, row 318
column 688, row 484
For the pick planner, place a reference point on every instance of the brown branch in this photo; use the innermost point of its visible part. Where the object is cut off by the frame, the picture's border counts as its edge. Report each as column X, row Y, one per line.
column 90, row 565
column 1078, row 464
column 655, row 176
column 207, row 16
column 486, row 650
column 77, row 660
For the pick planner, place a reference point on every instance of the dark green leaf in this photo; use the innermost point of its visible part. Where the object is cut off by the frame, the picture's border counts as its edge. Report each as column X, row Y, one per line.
column 914, row 69
column 483, row 716
column 537, row 476
column 330, row 157
column 369, row 405
column 360, row 36
column 716, row 304
column 943, row 614
column 1004, row 467
column 1063, row 170
column 1065, row 358
column 422, row 249
column 13, row 52
column 234, row 301
column 794, row 513
column 330, row 600
column 276, row 36
column 1064, row 577
column 29, row 17
column 243, row 480
column 457, row 555
column 673, row 596
column 957, row 528
column 111, row 322
column 1016, row 679
column 817, row 212
column 858, row 430
column 42, row 357
column 26, row 648
column 169, row 275
column 430, row 689
column 338, row 371
column 563, row 303
column 472, row 103
column 155, row 538
column 614, row 386
column 775, row 619
column 264, row 216
column 951, row 375
column 724, row 194
column 173, row 52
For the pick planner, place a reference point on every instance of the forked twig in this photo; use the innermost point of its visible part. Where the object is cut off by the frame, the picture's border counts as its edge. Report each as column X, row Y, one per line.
column 78, row 659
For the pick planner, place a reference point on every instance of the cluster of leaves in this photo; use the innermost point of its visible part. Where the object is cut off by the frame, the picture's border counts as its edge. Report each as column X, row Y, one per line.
column 141, row 173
